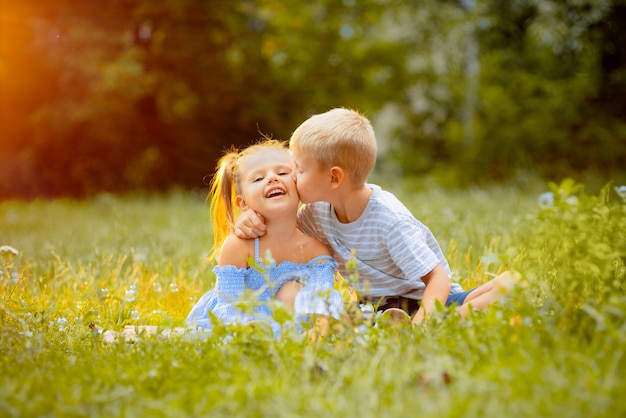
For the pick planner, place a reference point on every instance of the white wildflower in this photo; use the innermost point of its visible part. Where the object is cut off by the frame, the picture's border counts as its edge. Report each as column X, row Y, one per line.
column 8, row 251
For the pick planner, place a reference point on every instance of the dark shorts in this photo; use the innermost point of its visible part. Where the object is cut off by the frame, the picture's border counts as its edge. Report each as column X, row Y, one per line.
column 411, row 306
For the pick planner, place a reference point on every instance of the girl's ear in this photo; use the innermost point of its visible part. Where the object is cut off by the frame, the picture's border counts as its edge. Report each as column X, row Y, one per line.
column 241, row 203
column 337, row 176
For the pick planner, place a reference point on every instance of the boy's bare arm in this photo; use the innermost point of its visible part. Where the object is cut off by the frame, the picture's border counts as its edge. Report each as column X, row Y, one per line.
column 437, row 288
column 250, row 225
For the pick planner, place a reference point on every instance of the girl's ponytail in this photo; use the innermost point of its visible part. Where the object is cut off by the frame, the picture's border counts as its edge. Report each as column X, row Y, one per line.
column 222, row 197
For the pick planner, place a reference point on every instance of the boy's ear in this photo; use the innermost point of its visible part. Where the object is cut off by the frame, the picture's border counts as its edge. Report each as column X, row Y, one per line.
column 241, row 203
column 337, row 176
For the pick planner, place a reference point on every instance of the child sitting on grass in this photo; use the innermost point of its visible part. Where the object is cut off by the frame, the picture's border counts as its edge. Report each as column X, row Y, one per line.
column 399, row 261
column 297, row 269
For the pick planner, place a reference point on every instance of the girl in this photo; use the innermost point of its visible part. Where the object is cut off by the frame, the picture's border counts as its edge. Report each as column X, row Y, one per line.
column 296, row 269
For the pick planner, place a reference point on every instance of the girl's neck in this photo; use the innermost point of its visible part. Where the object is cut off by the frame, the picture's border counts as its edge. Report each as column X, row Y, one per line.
column 282, row 238
column 283, row 229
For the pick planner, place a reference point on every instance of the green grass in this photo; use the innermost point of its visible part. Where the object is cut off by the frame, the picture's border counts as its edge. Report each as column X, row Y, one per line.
column 555, row 348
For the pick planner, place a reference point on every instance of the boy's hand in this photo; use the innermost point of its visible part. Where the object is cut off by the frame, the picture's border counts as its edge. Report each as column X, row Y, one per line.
column 250, row 225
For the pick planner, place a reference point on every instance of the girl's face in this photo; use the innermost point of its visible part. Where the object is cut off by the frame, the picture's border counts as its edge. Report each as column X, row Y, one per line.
column 267, row 184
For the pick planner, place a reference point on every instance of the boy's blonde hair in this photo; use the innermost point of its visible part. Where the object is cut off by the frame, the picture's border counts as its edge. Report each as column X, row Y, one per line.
column 340, row 137
column 224, row 188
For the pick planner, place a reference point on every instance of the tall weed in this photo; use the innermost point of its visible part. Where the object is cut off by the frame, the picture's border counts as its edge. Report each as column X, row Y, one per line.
column 572, row 251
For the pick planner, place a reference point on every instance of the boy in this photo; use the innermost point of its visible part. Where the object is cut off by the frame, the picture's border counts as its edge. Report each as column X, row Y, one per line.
column 399, row 261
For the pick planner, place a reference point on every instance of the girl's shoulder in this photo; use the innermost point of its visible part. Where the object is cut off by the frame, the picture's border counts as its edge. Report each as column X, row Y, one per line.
column 313, row 248
column 236, row 251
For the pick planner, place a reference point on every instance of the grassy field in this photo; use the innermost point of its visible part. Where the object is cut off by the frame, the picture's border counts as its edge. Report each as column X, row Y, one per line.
column 556, row 347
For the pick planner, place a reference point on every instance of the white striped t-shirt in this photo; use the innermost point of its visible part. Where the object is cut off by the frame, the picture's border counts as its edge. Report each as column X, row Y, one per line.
column 393, row 249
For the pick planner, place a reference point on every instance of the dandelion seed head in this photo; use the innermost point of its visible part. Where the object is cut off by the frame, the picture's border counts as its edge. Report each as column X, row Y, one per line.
column 62, row 323
column 546, row 200
column 130, row 294
column 489, row 258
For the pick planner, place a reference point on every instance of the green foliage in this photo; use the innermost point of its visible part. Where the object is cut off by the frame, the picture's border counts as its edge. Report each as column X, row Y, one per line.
column 142, row 96
column 522, row 87
column 573, row 255
column 97, row 267
column 576, row 246
column 145, row 94
column 556, row 346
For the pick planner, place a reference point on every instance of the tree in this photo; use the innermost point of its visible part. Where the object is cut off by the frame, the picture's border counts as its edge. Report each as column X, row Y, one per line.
column 119, row 95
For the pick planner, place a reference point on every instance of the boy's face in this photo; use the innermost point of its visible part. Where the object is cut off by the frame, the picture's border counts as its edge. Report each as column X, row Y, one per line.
column 312, row 182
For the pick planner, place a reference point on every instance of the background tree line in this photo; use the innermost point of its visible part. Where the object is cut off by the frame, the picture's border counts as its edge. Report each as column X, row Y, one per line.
column 118, row 95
